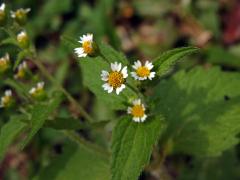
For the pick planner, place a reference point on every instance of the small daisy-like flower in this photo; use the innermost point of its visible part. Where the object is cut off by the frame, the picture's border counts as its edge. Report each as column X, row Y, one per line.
column 2, row 7
column 115, row 79
column 22, row 39
column 21, row 71
column 137, row 111
column 87, row 46
column 143, row 72
column 20, row 15
column 38, row 91
column 4, row 63
column 6, row 100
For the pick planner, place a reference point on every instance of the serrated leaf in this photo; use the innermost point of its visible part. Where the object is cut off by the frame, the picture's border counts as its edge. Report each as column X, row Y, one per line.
column 76, row 162
column 91, row 70
column 9, row 132
column 132, row 144
column 165, row 61
column 39, row 113
column 202, row 110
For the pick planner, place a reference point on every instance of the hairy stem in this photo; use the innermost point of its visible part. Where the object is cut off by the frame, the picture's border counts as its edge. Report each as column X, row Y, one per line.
column 61, row 88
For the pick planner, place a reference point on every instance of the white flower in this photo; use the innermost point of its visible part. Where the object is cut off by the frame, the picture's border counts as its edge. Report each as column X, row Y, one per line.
column 38, row 89
column 115, row 78
column 6, row 99
column 87, row 46
column 20, row 12
column 143, row 72
column 2, row 7
column 137, row 111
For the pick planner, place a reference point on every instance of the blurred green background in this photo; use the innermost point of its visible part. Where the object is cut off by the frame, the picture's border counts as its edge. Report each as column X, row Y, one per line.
column 142, row 29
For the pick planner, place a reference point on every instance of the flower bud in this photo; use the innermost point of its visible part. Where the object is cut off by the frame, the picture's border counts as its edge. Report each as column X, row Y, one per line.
column 4, row 63
column 23, row 39
column 38, row 92
column 2, row 14
column 21, row 71
column 7, row 100
column 20, row 15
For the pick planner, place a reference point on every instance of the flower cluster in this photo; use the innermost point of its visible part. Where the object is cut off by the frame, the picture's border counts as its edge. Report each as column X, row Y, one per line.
column 38, row 91
column 115, row 79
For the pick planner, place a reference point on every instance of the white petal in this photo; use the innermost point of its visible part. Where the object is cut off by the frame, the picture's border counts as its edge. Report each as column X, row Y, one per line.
column 134, row 75
column 151, row 75
column 8, row 93
column 107, row 87
column 104, row 75
column 114, row 66
column 118, row 90
column 124, row 72
column 119, row 67
column 80, row 52
column 149, row 65
column 136, row 119
column 129, row 110
column 13, row 15
column 137, row 64
column 137, row 102
column 32, row 91
column 143, row 118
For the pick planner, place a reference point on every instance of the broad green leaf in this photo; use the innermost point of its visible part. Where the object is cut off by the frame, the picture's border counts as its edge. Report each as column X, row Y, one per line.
column 164, row 62
column 202, row 110
column 111, row 54
column 132, row 144
column 76, row 162
column 91, row 70
column 9, row 132
column 39, row 113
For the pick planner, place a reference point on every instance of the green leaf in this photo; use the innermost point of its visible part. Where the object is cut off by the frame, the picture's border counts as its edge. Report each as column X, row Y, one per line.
column 39, row 113
column 76, row 162
column 21, row 55
column 9, row 132
column 111, row 54
column 165, row 61
column 91, row 70
column 202, row 110
column 132, row 144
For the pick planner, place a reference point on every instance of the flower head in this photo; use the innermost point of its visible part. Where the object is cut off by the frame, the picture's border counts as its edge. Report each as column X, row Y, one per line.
column 6, row 100
column 87, row 46
column 137, row 111
column 20, row 15
column 4, row 63
column 143, row 72
column 21, row 71
column 38, row 91
column 115, row 79
column 22, row 39
column 2, row 14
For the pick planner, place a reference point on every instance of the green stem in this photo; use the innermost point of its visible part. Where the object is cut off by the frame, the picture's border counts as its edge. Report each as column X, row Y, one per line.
column 61, row 88
column 87, row 144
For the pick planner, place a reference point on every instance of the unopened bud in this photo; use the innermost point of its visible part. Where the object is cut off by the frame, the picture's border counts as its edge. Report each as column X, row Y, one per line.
column 20, row 15
column 23, row 39
column 4, row 63
column 2, row 14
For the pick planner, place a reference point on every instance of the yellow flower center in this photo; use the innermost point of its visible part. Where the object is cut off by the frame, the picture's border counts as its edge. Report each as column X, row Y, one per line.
column 21, row 73
column 3, row 65
column 138, row 111
column 87, row 47
column 143, row 71
column 115, row 79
